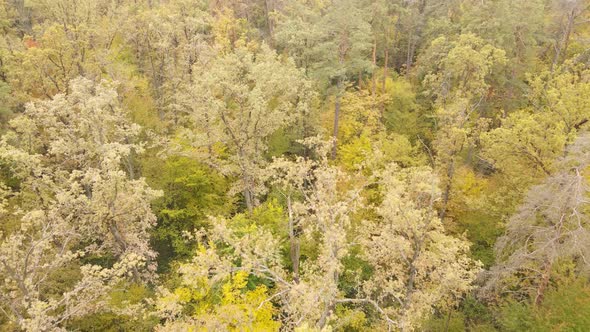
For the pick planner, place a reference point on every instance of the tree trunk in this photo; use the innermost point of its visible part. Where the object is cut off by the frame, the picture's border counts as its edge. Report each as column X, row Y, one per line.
column 563, row 43
column 394, row 44
column 268, row 6
column 447, row 192
column 415, row 35
column 294, row 243
column 374, row 87
column 408, row 57
column 324, row 318
column 360, row 80
column 24, row 19
column 336, row 117
column 448, row 320
column 249, row 200
column 546, row 274
column 411, row 280
column 384, row 82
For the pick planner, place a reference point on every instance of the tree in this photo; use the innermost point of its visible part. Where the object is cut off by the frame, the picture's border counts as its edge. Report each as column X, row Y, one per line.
column 73, row 206
column 319, row 236
column 417, row 266
column 549, row 226
column 238, row 309
column 529, row 142
column 73, row 40
column 236, row 101
column 333, row 45
column 324, row 214
column 167, row 40
column 522, row 37
column 568, row 11
column 459, row 83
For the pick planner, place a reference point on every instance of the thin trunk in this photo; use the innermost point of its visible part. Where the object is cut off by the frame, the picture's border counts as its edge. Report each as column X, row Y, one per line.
column 249, row 200
column 360, row 80
column 447, row 321
column 411, row 280
column 294, row 243
column 408, row 57
column 563, row 42
column 247, row 181
column 336, row 117
column 324, row 318
column 248, row 192
column 415, row 35
column 544, row 283
column 114, row 229
column 24, row 19
column 243, row 163
column 269, row 8
column 398, row 26
column 569, row 31
column 117, row 236
column 374, row 87
column 411, row 56
column 384, row 82
column 129, row 162
column 332, row 302
column 447, row 192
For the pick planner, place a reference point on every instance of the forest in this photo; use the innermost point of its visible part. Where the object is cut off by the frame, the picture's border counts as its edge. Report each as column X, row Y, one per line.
column 295, row 165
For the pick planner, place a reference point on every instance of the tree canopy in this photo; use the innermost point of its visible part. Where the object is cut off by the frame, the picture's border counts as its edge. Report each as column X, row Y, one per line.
column 294, row 165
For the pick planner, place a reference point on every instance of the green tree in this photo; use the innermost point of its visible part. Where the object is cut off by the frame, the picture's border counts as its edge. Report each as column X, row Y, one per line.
column 235, row 103
column 332, row 43
column 459, row 83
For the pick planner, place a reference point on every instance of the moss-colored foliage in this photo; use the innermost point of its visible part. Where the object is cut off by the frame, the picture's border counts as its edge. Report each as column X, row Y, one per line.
column 5, row 111
column 563, row 309
column 284, row 142
column 403, row 115
column 470, row 207
column 126, row 294
column 191, row 192
column 482, row 230
column 471, row 315
column 112, row 322
column 269, row 216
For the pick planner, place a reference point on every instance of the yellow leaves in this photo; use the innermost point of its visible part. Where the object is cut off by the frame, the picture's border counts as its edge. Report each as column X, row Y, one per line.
column 353, row 155
column 359, row 115
column 231, row 32
column 470, row 189
column 562, row 97
column 469, row 183
column 305, row 327
column 233, row 307
column 371, row 152
column 353, row 319
column 231, row 290
column 362, row 133
column 525, row 141
column 184, row 294
column 462, row 67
